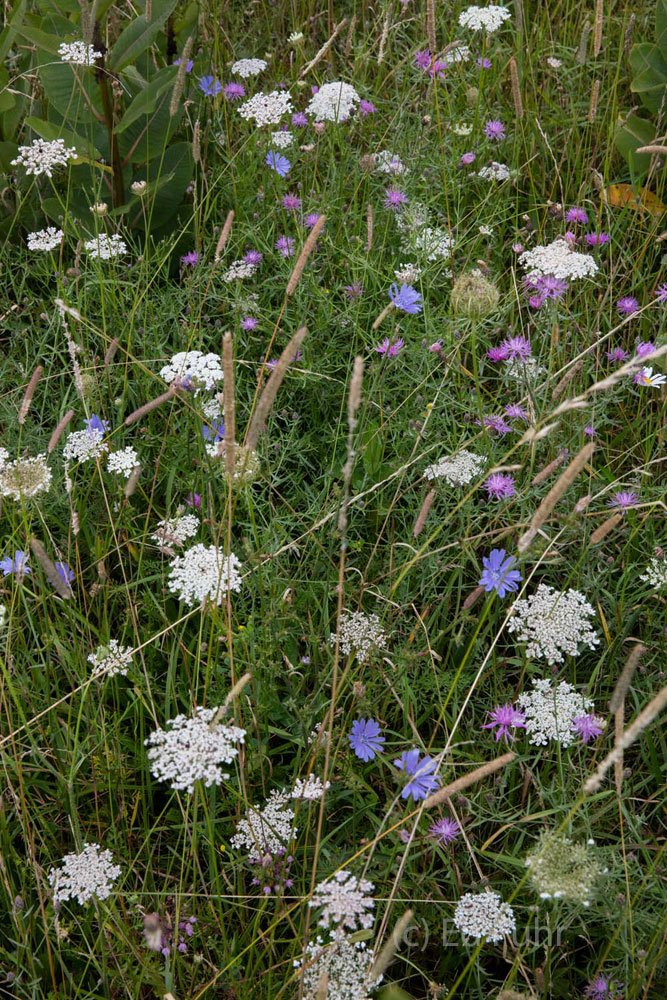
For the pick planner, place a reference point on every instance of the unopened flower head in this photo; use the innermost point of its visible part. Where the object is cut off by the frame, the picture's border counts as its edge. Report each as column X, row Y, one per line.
column 105, row 247
column 193, row 369
column 562, row 869
column 553, row 623
column 549, row 712
column 484, row 915
column 248, row 67
column 457, row 470
column 267, row 830
column 42, row 157
column 484, row 18
column 202, row 573
column 193, row 749
column 267, row 109
column 85, row 876
column 333, row 102
column 111, row 660
column 78, row 53
column 559, row 260
column 45, row 239
column 359, row 633
column 346, row 901
column 25, row 477
column 474, row 295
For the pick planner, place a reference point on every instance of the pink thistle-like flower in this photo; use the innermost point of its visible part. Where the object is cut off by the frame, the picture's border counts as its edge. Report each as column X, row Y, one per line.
column 661, row 293
column 505, row 717
column 253, row 257
column 445, row 830
column 388, row 350
column 285, row 244
column 394, row 198
column 516, row 412
column 467, row 159
column 596, row 239
column 627, row 305
column 353, row 291
column 617, row 354
column 499, row 486
column 311, row 219
column 576, row 215
column 249, row 323
column 624, row 499
column 234, row 91
column 291, row 202
column 589, row 727
column 366, row 107
column 644, row 347
column 517, row 347
column 494, row 130
column 500, row 353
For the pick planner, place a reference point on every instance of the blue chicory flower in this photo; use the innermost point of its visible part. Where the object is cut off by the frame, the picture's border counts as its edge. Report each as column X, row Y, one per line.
column 210, row 85
column 420, row 771
column 407, row 298
column 279, row 163
column 498, row 574
column 365, row 739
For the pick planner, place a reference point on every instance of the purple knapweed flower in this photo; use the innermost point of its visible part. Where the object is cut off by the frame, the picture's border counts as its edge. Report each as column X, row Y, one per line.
column 353, row 291
column 193, row 500
column 484, row 62
column 589, row 431
column 467, row 159
column 644, row 347
column 291, row 202
column 388, row 350
column 498, row 574
column 311, row 219
column 423, row 59
column 505, row 717
column 499, row 486
column 596, row 239
column 279, row 163
column 494, row 130
column 602, row 988
column 550, row 287
column 366, row 107
column 516, row 412
column 16, row 565
column 253, row 257
column 445, row 831
column 661, row 293
column 499, row 353
column 210, row 86
column 517, row 347
column 623, row 499
column 588, row 727
column 495, row 423
column 365, row 739
column 299, row 119
column 285, row 244
column 249, row 323
column 576, row 215
column 233, row 91
column 420, row 771
column 190, row 258
column 627, row 305
column 617, row 354
column 394, row 198
column 407, row 298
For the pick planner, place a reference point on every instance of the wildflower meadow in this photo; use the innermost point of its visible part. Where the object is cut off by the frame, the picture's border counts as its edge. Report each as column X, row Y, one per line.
column 333, row 538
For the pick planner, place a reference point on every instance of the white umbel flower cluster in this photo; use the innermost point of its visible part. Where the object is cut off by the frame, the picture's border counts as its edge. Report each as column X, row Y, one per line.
column 552, row 623
column 434, row 243
column 111, row 660
column 311, row 788
column 105, row 247
column 84, row 876
column 484, row 18
column 45, row 239
column 248, row 67
column 343, row 964
column 551, row 711
column 333, row 102
column 656, row 573
column 176, row 530
column 281, row 140
column 559, row 260
column 458, row 469
column 193, row 750
column 122, row 461
column 43, row 156
column 494, row 172
column 202, row 573
column 484, row 915
column 562, row 869
column 25, row 477
column 459, row 54
column 359, row 633
column 78, row 53
column 269, row 830
column 267, row 109
column 387, row 162
column 203, row 371
column 238, row 270
column 345, row 901
column 84, row 445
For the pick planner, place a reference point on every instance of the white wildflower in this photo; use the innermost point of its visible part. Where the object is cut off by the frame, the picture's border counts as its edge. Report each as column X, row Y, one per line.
column 436, row 244
column 551, row 711
column 111, row 660
column 25, row 477
column 387, row 162
column 295, row 36
column 524, row 369
column 43, row 156
column 562, row 869
column 485, row 231
column 408, row 273
column 554, row 63
column 193, row 750
column 266, row 831
column 78, row 53
column 333, row 102
column 412, row 216
column 84, row 876
column 458, row 469
column 204, row 573
column 105, row 247
column 462, row 128
column 122, row 461
column 345, row 901
column 494, row 172
column 84, row 445
column 248, row 67
column 559, row 260
column 552, row 623
column 645, row 376
column 459, row 54
column 177, row 530
column 359, row 633
column 267, row 109
column 479, row 18
column 238, row 270
column 212, row 408
column 281, row 140
column 656, row 573
column 201, row 371
column 484, row 915
column 45, row 239
column 3, row 618
column 311, row 789
column 344, row 965
column 4, row 457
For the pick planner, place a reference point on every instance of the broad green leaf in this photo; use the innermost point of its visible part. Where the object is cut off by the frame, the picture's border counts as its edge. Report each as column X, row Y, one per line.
column 70, row 96
column 147, row 138
column 139, row 34
column 635, row 132
column 8, row 151
column 48, row 43
column 49, row 130
column 168, row 177
column 8, row 33
column 144, row 102
column 661, row 27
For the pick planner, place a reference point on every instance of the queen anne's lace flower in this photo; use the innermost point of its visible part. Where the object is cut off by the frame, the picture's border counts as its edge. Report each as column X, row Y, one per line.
column 193, row 368
column 84, row 445
column 333, row 102
column 238, row 270
column 345, row 901
column 483, row 915
column 43, row 156
column 359, row 633
column 25, row 477
column 281, row 140
column 78, row 53
column 561, row 869
column 193, row 750
column 387, row 162
column 559, row 260
column 177, row 530
column 480, row 18
column 84, row 876
column 202, row 573
column 435, row 244
column 248, row 67
column 111, row 660
column 45, row 239
column 123, row 461
column 549, row 712
column 346, row 966
column 267, row 109
column 105, row 247
column 553, row 622
column 458, row 469
column 656, row 573
column 269, row 830
column 310, row 788
column 494, row 172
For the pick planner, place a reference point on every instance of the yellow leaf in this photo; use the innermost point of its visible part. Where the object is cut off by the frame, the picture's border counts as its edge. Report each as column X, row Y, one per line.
column 641, row 200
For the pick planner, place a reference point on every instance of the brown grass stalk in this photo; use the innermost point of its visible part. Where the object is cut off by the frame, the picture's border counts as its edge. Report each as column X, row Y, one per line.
column 179, row 82
column 597, row 31
column 430, row 26
column 229, row 405
column 605, row 528
column 423, row 513
column 384, row 959
column 58, row 432
column 516, row 89
column 547, row 470
column 30, row 392
column 132, row 481
column 471, row 778
column 54, row 578
column 271, row 389
column 566, row 379
column 369, row 227
column 644, row 719
column 323, row 51
column 563, row 483
column 111, row 352
column 384, row 35
column 302, row 259
column 593, row 106
column 151, row 405
column 220, row 245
